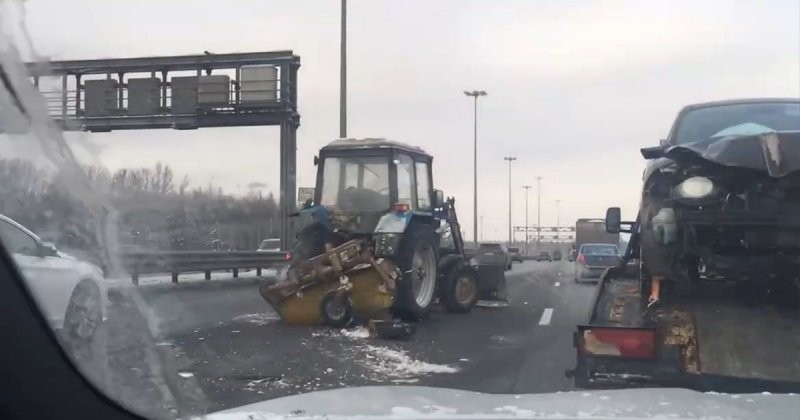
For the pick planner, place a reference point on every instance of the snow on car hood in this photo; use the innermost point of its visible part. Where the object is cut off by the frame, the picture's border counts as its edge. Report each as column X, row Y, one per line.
column 746, row 146
column 416, row 402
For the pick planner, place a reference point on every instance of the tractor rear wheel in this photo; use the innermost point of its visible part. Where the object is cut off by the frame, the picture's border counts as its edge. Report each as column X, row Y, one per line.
column 417, row 260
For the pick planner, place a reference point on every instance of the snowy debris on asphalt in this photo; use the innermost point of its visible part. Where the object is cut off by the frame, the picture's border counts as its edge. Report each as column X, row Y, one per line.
column 260, row 318
column 185, row 374
column 355, row 333
column 386, row 363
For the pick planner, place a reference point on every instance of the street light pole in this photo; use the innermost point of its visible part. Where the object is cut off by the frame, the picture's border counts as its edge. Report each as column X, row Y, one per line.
column 475, row 94
column 558, row 214
column 509, row 159
column 343, row 74
column 538, row 211
column 527, row 189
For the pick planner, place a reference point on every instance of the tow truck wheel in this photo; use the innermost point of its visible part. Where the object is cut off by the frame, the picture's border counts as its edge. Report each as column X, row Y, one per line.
column 459, row 291
column 417, row 260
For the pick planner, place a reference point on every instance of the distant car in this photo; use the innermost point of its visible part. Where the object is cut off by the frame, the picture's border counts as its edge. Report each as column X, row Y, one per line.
column 515, row 255
column 493, row 254
column 544, row 256
column 70, row 292
column 593, row 259
column 556, row 255
column 270, row 245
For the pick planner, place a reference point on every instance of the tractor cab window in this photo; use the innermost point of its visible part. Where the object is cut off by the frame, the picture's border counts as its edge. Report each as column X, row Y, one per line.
column 423, row 186
column 405, row 180
column 356, row 183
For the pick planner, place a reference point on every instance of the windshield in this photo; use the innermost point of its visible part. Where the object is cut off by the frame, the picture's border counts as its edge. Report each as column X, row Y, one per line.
column 356, row 183
column 754, row 118
column 600, row 250
column 373, row 209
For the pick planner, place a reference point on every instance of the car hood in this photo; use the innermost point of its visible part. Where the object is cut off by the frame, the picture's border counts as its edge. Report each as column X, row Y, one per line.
column 415, row 402
column 774, row 152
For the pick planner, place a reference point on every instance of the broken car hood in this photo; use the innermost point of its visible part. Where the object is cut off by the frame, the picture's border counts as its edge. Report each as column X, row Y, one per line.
column 774, row 152
column 417, row 402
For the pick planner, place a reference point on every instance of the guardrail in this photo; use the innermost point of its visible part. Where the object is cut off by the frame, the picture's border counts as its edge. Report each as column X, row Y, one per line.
column 177, row 262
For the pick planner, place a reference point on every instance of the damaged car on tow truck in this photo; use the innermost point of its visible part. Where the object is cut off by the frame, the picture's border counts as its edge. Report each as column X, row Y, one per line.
column 721, row 196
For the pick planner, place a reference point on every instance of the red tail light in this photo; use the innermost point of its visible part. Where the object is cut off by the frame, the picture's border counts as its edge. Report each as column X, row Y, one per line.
column 288, row 256
column 400, row 207
column 581, row 259
column 622, row 342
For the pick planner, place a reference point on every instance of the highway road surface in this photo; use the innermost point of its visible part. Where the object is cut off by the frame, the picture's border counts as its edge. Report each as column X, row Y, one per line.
column 209, row 346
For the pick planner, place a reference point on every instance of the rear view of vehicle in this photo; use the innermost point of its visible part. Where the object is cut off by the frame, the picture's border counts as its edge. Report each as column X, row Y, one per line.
column 493, row 254
column 593, row 259
column 515, row 254
column 544, row 256
column 556, row 255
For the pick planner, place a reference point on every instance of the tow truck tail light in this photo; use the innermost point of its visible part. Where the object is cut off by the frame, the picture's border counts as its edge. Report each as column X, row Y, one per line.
column 400, row 207
column 620, row 342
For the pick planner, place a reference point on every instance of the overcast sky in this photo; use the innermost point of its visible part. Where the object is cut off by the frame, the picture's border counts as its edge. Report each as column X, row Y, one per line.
column 575, row 88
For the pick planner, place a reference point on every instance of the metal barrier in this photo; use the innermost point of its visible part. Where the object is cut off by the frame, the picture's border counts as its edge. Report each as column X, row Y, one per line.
column 177, row 262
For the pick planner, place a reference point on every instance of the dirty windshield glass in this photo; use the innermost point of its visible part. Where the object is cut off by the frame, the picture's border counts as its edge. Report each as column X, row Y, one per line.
column 360, row 209
column 353, row 184
column 704, row 123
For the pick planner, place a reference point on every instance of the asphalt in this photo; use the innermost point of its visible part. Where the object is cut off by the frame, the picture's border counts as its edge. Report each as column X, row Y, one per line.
column 207, row 347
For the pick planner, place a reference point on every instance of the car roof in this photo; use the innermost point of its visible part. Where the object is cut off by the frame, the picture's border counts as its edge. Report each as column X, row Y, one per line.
column 19, row 226
column 600, row 244
column 739, row 101
column 371, row 142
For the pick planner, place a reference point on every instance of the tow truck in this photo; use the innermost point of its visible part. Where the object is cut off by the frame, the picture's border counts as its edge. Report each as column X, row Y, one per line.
column 709, row 336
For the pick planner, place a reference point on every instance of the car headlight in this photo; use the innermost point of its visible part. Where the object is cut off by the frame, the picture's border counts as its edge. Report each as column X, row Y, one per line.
column 695, row 187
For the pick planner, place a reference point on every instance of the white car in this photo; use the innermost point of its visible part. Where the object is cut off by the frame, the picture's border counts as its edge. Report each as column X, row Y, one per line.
column 70, row 292
column 270, row 245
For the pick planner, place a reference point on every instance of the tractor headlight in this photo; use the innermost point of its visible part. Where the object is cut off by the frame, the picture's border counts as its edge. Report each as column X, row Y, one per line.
column 695, row 187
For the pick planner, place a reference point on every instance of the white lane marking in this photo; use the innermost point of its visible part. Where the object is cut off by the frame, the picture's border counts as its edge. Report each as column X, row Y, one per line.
column 558, row 283
column 546, row 315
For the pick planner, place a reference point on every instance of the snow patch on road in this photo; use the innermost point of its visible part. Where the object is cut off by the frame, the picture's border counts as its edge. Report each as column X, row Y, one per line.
column 390, row 363
column 260, row 318
column 355, row 333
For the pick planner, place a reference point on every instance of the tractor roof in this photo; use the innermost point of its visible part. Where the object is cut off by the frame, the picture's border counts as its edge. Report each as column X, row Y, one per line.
column 371, row 143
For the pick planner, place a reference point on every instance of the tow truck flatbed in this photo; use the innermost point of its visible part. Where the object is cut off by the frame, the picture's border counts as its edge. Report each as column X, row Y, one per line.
column 707, row 337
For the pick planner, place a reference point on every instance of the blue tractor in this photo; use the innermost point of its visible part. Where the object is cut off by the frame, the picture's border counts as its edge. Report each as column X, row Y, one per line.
column 380, row 192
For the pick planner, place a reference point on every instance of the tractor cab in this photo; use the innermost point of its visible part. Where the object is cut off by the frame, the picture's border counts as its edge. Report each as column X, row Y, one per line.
column 361, row 181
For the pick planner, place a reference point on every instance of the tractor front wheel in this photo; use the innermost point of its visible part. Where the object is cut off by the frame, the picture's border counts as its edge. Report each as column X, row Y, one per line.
column 417, row 259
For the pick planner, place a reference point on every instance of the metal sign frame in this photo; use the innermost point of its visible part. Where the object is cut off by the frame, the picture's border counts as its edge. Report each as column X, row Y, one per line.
column 68, row 108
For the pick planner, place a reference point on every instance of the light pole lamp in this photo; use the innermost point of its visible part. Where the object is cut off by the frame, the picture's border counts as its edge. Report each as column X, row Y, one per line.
column 509, row 159
column 475, row 94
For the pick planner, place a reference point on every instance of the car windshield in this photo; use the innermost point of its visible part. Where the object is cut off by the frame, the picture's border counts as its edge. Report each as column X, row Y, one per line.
column 388, row 209
column 270, row 243
column 600, row 250
column 356, row 183
column 743, row 119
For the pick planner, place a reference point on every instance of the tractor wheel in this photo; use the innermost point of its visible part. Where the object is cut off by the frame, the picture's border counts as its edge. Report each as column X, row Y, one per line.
column 417, row 260
column 459, row 289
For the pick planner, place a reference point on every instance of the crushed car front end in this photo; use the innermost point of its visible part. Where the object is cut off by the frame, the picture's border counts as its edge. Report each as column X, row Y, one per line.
column 727, row 206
